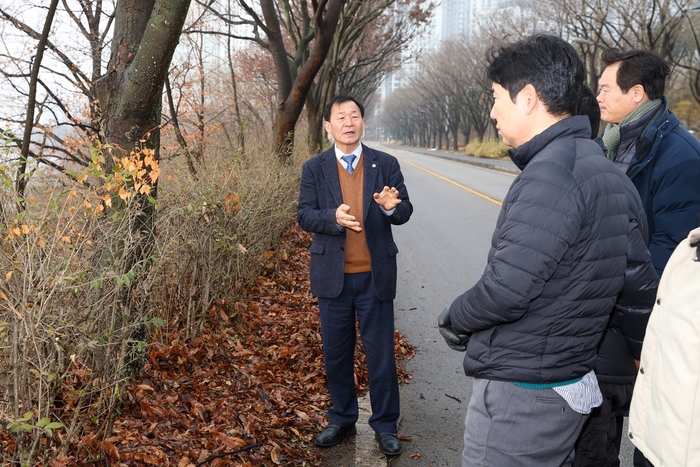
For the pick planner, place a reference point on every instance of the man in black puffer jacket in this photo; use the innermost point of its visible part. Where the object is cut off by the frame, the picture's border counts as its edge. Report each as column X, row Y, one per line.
column 554, row 272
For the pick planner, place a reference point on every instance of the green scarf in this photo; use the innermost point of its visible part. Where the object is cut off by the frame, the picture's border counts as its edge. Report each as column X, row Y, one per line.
column 611, row 137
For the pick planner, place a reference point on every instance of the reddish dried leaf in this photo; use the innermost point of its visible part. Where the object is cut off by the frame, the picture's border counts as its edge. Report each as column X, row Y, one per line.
column 232, row 442
column 275, row 455
column 223, row 315
column 60, row 461
column 151, row 460
column 110, row 450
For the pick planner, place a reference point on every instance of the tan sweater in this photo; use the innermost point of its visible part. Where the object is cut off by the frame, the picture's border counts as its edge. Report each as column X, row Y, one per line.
column 356, row 252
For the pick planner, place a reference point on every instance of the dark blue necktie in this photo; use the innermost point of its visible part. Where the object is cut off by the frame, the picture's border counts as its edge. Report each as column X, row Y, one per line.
column 349, row 159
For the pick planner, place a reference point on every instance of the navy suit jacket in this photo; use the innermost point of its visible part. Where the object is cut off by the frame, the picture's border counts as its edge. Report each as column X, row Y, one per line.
column 319, row 198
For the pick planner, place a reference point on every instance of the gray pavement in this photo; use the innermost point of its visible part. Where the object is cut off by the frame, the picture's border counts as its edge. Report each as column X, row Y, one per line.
column 504, row 165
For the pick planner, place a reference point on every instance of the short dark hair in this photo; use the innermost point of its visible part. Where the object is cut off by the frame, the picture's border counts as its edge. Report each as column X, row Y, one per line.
column 339, row 99
column 639, row 67
column 588, row 106
column 548, row 63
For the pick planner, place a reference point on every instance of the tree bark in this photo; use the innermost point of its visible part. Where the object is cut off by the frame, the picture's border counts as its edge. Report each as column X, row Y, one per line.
column 146, row 33
column 234, row 86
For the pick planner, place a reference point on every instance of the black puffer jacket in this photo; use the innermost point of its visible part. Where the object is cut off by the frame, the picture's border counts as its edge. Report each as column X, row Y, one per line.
column 556, row 265
column 622, row 340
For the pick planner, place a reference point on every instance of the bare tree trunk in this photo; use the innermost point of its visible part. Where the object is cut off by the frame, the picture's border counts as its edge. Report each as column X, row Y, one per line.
column 199, row 109
column 146, row 33
column 312, row 121
column 236, row 105
column 292, row 90
column 314, row 116
column 178, row 132
column 455, row 136
column 21, row 180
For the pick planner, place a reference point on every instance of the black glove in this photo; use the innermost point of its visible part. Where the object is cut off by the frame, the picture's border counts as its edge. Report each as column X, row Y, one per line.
column 456, row 340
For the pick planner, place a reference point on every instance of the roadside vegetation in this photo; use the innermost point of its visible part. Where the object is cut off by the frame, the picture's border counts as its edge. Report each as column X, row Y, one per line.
column 487, row 149
column 220, row 360
column 445, row 101
column 153, row 303
column 78, row 318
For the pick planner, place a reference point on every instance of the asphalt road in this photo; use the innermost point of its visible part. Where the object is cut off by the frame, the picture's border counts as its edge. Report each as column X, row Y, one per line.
column 442, row 252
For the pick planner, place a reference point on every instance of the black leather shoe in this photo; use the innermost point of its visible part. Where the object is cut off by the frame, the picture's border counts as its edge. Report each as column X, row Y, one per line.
column 333, row 434
column 389, row 444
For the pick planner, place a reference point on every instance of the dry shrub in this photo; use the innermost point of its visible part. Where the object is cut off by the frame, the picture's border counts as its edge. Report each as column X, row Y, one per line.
column 487, row 149
column 216, row 231
column 85, row 273
column 74, row 283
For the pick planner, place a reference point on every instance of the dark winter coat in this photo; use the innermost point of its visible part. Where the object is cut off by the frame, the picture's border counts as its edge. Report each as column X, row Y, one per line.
column 556, row 265
column 666, row 171
column 319, row 198
column 622, row 341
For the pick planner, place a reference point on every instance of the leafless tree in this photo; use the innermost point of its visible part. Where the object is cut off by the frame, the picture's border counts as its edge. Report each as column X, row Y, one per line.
column 298, row 35
column 687, row 60
column 21, row 180
column 66, row 108
column 403, row 118
column 449, row 94
column 438, row 97
column 628, row 24
column 371, row 40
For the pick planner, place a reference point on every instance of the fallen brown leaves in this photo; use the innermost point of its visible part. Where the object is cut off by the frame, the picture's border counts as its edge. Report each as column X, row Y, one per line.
column 249, row 391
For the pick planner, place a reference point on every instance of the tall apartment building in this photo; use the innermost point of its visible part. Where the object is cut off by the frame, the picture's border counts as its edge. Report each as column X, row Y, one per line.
column 462, row 18
column 451, row 20
column 426, row 42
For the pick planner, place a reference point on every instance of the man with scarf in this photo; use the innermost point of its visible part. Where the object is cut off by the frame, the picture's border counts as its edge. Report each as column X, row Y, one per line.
column 662, row 159
column 646, row 141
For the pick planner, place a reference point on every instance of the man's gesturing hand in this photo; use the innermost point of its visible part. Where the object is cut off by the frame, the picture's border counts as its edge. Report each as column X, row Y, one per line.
column 343, row 219
column 388, row 198
column 456, row 340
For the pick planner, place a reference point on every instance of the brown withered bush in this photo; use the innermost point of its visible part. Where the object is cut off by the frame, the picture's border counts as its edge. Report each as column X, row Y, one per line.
column 215, row 232
column 73, row 300
column 82, row 282
column 487, row 149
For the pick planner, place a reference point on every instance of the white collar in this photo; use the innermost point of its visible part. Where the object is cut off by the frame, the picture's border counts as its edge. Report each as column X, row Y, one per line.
column 357, row 152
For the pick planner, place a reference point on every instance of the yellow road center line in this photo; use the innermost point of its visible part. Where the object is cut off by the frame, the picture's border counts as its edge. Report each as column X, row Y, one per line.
column 470, row 190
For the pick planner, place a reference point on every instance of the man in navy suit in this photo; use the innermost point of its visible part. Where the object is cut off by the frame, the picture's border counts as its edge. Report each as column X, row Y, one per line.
column 350, row 196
